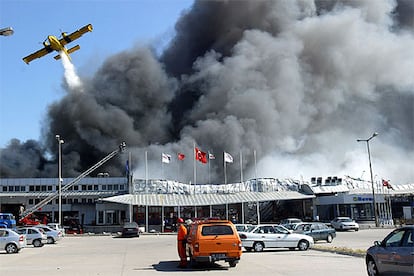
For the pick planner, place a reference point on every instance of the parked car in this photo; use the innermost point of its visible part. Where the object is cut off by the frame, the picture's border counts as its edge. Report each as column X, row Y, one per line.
column 290, row 223
column 273, row 236
column 317, row 230
column 11, row 241
column 344, row 223
column 34, row 236
column 214, row 240
column 394, row 255
column 57, row 227
column 52, row 235
column 243, row 227
column 130, row 229
column 290, row 220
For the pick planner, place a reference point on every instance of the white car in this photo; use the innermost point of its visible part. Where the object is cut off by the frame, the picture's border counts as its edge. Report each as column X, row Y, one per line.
column 52, row 235
column 11, row 241
column 274, row 236
column 344, row 223
column 34, row 236
column 57, row 227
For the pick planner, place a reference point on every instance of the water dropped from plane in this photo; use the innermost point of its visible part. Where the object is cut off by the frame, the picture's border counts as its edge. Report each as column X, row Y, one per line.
column 72, row 79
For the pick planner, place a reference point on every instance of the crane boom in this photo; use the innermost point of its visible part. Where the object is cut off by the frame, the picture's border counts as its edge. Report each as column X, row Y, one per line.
column 54, row 195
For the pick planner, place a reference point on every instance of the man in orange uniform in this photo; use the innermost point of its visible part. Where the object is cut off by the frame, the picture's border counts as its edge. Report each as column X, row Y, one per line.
column 181, row 243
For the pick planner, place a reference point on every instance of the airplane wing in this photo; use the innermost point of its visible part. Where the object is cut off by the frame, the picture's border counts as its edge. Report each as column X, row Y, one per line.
column 75, row 35
column 38, row 54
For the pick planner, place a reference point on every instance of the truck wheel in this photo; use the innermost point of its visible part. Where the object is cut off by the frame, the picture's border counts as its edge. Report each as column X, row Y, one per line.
column 233, row 263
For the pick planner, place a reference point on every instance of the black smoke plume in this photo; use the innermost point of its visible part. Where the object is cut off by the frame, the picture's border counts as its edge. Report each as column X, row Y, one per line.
column 292, row 83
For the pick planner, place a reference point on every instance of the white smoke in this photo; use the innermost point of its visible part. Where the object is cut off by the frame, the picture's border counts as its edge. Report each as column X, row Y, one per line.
column 72, row 79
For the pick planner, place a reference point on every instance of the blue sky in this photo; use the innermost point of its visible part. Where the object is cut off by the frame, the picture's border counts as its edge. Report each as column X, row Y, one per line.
column 27, row 90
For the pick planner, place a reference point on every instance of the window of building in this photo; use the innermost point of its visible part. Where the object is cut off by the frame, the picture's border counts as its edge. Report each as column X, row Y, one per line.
column 31, row 188
column 31, row 201
column 100, row 217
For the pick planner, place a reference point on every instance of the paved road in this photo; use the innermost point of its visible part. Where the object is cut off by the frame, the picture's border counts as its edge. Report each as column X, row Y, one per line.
column 152, row 254
column 361, row 239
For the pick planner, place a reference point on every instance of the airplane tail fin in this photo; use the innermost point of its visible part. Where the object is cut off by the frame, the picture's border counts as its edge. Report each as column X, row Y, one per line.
column 71, row 50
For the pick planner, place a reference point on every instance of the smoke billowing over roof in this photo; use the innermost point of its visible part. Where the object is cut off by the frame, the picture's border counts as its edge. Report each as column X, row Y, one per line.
column 297, row 82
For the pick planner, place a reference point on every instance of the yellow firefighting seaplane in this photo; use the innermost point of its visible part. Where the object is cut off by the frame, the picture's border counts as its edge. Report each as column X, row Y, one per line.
column 52, row 43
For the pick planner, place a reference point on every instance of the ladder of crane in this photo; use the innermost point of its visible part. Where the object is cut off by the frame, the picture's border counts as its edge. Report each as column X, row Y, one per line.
column 73, row 182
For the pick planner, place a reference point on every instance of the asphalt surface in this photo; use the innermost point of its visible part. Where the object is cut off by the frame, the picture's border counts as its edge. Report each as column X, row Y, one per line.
column 157, row 254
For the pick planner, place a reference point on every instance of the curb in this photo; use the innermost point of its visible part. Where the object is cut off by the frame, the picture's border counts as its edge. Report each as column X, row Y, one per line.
column 342, row 250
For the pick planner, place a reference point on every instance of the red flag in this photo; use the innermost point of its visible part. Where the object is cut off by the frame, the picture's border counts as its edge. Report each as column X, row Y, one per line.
column 181, row 156
column 200, row 155
column 387, row 184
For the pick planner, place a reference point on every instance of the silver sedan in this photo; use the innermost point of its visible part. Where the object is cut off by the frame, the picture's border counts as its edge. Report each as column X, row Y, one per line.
column 274, row 236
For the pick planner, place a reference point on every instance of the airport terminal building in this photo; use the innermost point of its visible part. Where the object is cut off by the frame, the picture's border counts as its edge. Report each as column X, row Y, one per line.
column 103, row 203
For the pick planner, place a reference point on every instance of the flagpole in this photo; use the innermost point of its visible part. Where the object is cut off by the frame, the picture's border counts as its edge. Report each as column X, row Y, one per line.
column 255, row 165
column 225, row 175
column 257, row 202
column 162, row 166
column 130, row 186
column 195, row 170
column 195, row 179
column 241, row 167
column 225, row 185
column 209, row 179
column 146, row 171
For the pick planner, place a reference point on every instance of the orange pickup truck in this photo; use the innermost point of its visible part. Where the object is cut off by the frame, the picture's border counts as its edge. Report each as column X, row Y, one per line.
column 214, row 240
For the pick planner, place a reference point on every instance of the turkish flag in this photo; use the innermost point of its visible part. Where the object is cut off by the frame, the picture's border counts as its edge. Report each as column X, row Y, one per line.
column 181, row 156
column 200, row 156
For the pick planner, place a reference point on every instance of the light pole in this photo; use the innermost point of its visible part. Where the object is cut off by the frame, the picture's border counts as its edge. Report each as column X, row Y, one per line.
column 6, row 31
column 372, row 179
column 60, row 142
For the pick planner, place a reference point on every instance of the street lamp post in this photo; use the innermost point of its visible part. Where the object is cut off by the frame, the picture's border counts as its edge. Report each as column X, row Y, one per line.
column 60, row 142
column 6, row 31
column 372, row 179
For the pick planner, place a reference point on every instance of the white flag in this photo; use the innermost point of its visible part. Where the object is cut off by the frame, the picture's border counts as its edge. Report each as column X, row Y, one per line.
column 166, row 158
column 228, row 158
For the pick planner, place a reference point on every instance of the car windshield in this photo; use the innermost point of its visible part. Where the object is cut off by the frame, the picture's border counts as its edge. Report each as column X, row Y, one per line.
column 346, row 220
column 250, row 228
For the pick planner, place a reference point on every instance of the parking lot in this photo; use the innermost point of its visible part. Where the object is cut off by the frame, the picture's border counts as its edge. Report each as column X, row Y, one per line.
column 157, row 254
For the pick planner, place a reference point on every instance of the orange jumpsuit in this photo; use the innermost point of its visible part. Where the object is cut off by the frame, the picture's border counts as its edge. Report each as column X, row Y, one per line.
column 181, row 245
